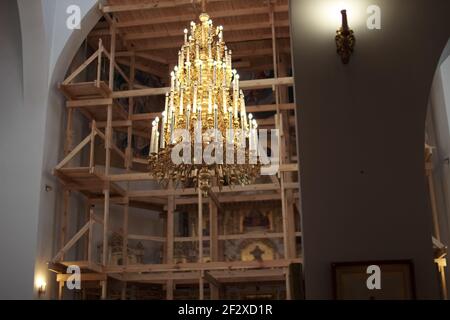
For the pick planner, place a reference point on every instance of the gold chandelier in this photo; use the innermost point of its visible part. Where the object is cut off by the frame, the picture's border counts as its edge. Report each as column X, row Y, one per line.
column 205, row 98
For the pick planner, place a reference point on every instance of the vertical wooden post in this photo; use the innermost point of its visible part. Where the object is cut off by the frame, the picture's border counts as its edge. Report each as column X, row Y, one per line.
column 290, row 217
column 288, row 284
column 128, row 166
column 286, row 158
column 201, row 285
column 126, row 211
column 91, row 234
column 65, row 220
column 92, row 147
column 200, row 241
column 66, row 199
column 214, row 243
column 69, row 132
column 284, row 217
column 105, row 239
column 105, row 226
column 112, row 55
column 109, row 130
column 99, row 65
column 123, row 295
column 170, row 242
column 60, row 290
column 214, row 230
column 87, row 219
column 129, row 152
column 441, row 264
column 108, row 145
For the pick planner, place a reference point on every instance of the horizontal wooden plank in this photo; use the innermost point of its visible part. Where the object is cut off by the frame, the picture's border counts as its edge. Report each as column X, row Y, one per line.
column 226, row 265
column 89, row 103
column 245, row 85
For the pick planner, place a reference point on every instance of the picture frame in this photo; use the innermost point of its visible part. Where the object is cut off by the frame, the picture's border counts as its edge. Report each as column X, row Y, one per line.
column 397, row 280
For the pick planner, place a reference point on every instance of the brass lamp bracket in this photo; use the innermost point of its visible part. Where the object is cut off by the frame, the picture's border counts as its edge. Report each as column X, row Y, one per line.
column 345, row 40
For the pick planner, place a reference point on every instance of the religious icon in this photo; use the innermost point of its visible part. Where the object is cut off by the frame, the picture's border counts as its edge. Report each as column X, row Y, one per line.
column 257, row 253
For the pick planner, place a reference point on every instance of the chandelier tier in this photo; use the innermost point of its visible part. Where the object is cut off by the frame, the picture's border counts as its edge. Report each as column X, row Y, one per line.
column 204, row 97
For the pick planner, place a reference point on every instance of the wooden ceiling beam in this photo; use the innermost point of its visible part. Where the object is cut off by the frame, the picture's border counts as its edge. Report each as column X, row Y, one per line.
column 149, row 6
column 177, row 43
column 186, row 18
column 145, row 68
column 177, row 32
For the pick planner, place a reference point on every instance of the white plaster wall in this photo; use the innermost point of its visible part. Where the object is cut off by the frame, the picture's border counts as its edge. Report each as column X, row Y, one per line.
column 18, row 218
column 36, row 52
column 64, row 44
column 361, row 135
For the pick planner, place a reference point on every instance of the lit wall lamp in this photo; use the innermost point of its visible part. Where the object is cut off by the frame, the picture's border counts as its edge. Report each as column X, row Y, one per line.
column 345, row 40
column 41, row 286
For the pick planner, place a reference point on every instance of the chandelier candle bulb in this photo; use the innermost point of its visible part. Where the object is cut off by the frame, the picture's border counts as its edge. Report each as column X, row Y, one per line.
column 172, row 81
column 181, row 102
column 215, row 120
column 163, row 127
column 188, row 68
column 166, row 109
column 209, row 51
column 188, row 53
column 210, row 102
column 154, row 135
column 255, row 135
column 224, row 75
column 172, row 125
column 218, row 52
column 188, row 117
column 182, row 60
column 199, row 123
column 152, row 138
column 195, row 100
column 214, row 73
column 226, row 57
column 224, row 101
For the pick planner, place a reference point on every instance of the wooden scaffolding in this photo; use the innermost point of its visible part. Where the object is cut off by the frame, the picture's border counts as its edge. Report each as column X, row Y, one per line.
column 133, row 36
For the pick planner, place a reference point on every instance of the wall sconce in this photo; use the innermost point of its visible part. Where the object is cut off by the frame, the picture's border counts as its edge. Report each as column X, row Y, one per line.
column 41, row 286
column 345, row 40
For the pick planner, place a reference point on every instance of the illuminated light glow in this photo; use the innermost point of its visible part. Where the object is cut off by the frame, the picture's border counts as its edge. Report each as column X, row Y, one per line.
column 325, row 16
column 40, row 284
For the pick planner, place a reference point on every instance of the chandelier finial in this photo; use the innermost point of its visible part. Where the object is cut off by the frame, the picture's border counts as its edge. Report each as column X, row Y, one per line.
column 203, row 6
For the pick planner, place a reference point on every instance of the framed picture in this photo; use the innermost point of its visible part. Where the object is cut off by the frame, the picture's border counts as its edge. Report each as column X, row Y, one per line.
column 396, row 280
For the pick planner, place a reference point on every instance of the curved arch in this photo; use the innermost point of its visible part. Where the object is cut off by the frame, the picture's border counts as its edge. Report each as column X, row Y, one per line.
column 48, row 47
column 445, row 53
column 73, row 40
